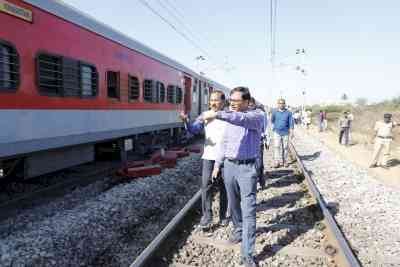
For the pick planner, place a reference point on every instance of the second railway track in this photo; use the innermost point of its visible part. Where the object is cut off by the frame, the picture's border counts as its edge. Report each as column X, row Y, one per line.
column 294, row 228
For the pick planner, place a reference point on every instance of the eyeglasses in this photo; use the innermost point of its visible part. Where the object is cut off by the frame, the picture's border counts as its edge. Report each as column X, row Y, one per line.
column 235, row 100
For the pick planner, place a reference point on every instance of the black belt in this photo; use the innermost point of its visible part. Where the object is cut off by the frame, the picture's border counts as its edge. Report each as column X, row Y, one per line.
column 242, row 161
column 385, row 137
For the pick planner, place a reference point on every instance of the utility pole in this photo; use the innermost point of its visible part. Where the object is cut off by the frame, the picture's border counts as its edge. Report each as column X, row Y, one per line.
column 198, row 59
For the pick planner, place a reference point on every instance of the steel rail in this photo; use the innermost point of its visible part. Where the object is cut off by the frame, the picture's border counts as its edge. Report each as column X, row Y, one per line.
column 349, row 257
column 155, row 244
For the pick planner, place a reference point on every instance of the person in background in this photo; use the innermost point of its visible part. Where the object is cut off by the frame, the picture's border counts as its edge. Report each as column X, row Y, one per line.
column 282, row 121
column 260, row 159
column 240, row 150
column 321, row 120
column 350, row 116
column 383, row 138
column 296, row 117
column 325, row 121
column 307, row 118
column 344, row 125
column 213, row 132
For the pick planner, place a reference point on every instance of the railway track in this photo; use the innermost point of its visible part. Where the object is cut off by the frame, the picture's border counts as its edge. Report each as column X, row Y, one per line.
column 294, row 228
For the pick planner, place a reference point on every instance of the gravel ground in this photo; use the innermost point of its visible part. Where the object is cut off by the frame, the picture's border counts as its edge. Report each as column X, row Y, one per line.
column 15, row 190
column 286, row 218
column 367, row 211
column 90, row 226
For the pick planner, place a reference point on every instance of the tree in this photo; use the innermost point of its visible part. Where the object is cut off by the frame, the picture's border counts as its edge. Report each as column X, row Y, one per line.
column 361, row 101
column 344, row 97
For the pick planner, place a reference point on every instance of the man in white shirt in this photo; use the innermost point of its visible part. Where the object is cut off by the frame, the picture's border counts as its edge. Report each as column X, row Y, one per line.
column 214, row 130
column 383, row 137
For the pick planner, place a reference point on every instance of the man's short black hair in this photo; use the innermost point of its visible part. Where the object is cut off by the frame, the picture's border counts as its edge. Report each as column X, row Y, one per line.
column 221, row 94
column 244, row 90
column 387, row 115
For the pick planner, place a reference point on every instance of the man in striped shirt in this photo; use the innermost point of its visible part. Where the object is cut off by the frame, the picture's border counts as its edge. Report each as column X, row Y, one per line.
column 239, row 151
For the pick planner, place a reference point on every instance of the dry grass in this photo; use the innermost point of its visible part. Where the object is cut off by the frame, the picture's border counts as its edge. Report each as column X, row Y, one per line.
column 364, row 121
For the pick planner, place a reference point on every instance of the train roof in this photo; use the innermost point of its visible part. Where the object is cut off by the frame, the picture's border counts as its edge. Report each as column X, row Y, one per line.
column 73, row 15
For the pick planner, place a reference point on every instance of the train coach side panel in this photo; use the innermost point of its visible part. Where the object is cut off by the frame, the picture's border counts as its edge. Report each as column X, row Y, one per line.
column 25, row 131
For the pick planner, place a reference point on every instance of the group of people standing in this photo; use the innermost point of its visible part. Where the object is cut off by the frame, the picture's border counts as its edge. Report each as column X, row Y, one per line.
column 232, row 159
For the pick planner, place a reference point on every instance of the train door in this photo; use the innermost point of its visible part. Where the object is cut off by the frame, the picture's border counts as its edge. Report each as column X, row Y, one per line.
column 206, row 96
column 200, row 102
column 194, row 100
column 188, row 94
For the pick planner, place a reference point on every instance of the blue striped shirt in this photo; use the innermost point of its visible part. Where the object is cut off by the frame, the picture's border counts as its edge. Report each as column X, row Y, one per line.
column 242, row 135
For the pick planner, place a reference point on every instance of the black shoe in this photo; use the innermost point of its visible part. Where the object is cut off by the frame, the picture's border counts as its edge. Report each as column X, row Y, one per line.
column 223, row 222
column 205, row 222
column 248, row 262
column 235, row 239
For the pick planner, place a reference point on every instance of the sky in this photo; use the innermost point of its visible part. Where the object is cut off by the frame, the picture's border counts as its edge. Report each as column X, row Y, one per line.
column 351, row 47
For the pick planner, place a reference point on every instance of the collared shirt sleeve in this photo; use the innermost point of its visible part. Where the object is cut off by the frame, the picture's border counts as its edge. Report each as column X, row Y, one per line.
column 249, row 120
column 197, row 126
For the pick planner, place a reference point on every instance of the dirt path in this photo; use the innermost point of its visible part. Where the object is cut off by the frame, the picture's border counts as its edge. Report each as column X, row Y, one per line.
column 360, row 154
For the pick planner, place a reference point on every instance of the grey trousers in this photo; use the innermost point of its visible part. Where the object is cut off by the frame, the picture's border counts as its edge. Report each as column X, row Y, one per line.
column 344, row 133
column 241, row 183
column 206, row 196
column 281, row 143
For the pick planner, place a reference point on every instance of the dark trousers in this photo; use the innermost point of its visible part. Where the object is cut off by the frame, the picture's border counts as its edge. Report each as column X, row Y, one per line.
column 260, row 166
column 241, row 183
column 206, row 189
column 344, row 133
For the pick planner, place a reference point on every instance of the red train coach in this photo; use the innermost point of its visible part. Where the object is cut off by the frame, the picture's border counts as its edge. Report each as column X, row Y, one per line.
column 69, row 82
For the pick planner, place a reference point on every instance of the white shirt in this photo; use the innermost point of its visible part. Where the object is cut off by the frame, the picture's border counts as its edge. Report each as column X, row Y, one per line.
column 214, row 131
column 384, row 129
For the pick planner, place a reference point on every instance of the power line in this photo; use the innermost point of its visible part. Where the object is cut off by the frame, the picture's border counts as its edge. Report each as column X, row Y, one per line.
column 273, row 29
column 183, row 34
column 146, row 4
column 176, row 17
column 187, row 26
column 171, row 8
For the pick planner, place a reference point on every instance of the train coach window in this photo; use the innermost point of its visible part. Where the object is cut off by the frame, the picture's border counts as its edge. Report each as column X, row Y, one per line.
column 50, row 74
column 70, row 77
column 148, row 90
column 161, row 91
column 62, row 76
column 171, row 94
column 9, row 67
column 89, row 80
column 134, row 88
column 113, row 84
column 179, row 95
